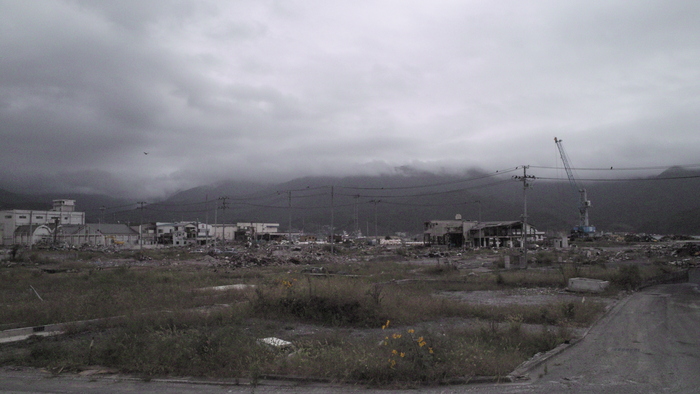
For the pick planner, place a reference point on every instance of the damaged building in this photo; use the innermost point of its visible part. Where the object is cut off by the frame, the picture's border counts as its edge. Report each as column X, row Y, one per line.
column 474, row 234
column 25, row 226
column 64, row 225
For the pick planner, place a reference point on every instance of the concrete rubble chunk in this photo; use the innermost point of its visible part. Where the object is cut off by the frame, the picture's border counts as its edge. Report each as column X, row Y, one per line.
column 276, row 343
column 227, row 287
column 587, row 285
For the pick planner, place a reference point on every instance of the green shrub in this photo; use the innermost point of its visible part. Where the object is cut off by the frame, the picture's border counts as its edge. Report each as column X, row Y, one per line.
column 628, row 277
column 335, row 304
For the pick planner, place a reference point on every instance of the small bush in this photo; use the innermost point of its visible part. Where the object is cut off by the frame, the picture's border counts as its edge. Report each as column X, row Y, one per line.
column 628, row 277
column 546, row 257
column 335, row 304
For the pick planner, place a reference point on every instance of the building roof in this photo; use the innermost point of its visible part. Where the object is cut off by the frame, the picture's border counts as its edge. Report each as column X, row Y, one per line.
column 24, row 229
column 111, row 229
column 70, row 229
column 482, row 225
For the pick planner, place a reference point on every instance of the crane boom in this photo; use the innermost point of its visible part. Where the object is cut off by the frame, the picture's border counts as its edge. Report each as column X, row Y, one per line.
column 583, row 228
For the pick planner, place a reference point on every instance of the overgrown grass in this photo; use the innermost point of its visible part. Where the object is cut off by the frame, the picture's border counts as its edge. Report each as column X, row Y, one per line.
column 357, row 303
column 222, row 346
column 169, row 327
column 65, row 297
column 156, row 345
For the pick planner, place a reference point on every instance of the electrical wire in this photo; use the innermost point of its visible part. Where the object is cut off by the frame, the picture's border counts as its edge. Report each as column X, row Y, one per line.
column 619, row 168
column 623, row 179
column 280, row 197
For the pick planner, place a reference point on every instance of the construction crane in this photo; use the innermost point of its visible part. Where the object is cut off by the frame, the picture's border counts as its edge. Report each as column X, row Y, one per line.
column 583, row 228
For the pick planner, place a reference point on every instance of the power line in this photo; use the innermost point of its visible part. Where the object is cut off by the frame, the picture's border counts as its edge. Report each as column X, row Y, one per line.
column 279, row 196
column 620, row 168
column 624, row 179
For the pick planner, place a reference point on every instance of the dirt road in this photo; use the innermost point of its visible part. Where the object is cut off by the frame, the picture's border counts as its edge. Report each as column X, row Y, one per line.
column 648, row 343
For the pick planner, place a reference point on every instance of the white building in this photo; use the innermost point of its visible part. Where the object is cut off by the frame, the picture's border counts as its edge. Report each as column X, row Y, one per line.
column 223, row 231
column 62, row 213
column 99, row 234
column 184, row 233
column 259, row 228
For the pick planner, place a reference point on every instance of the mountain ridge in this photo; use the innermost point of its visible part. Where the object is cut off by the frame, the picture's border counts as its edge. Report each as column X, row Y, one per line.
column 664, row 203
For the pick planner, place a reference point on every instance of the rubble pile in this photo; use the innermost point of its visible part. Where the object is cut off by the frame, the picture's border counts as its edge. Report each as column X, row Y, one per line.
column 668, row 238
column 251, row 259
column 640, row 238
column 688, row 250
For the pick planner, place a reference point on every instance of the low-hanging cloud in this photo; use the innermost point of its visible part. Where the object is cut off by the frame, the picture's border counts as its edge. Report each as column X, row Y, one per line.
column 104, row 96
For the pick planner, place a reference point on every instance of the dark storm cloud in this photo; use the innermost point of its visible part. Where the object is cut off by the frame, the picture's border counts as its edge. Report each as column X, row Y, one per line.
column 276, row 90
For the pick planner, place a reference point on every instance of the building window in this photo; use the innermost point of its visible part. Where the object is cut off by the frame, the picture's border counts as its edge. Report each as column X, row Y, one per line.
column 8, row 216
column 39, row 217
column 22, row 216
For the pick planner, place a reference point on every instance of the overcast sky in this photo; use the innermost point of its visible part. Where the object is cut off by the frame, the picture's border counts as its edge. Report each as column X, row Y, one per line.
column 274, row 90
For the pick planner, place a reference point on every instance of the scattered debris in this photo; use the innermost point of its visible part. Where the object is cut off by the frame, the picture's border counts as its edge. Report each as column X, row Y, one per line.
column 315, row 270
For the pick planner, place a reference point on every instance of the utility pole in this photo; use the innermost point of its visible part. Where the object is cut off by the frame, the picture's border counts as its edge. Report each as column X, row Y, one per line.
column 376, row 233
column 141, row 203
column 216, row 211
column 31, row 229
column 480, row 226
column 206, row 218
column 289, row 196
column 99, row 226
column 55, row 229
column 526, row 185
column 356, row 217
column 332, row 213
column 224, row 206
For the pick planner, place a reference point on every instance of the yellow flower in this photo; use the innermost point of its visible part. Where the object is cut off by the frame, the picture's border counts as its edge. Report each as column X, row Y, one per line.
column 396, row 336
column 430, row 350
column 394, row 351
column 403, row 354
column 411, row 331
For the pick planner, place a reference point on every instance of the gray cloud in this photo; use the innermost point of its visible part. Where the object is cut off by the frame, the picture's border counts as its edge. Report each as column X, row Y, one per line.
column 275, row 90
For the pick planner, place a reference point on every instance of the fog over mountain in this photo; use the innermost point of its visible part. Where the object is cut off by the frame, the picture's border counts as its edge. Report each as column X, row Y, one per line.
column 663, row 203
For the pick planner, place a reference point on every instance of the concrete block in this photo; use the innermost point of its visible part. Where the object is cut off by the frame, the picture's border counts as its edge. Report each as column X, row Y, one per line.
column 587, row 285
column 276, row 343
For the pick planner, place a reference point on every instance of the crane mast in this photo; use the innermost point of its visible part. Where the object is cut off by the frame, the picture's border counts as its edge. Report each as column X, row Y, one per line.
column 583, row 228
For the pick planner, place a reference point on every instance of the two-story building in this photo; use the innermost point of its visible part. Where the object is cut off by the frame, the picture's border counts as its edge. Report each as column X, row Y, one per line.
column 30, row 222
column 466, row 233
